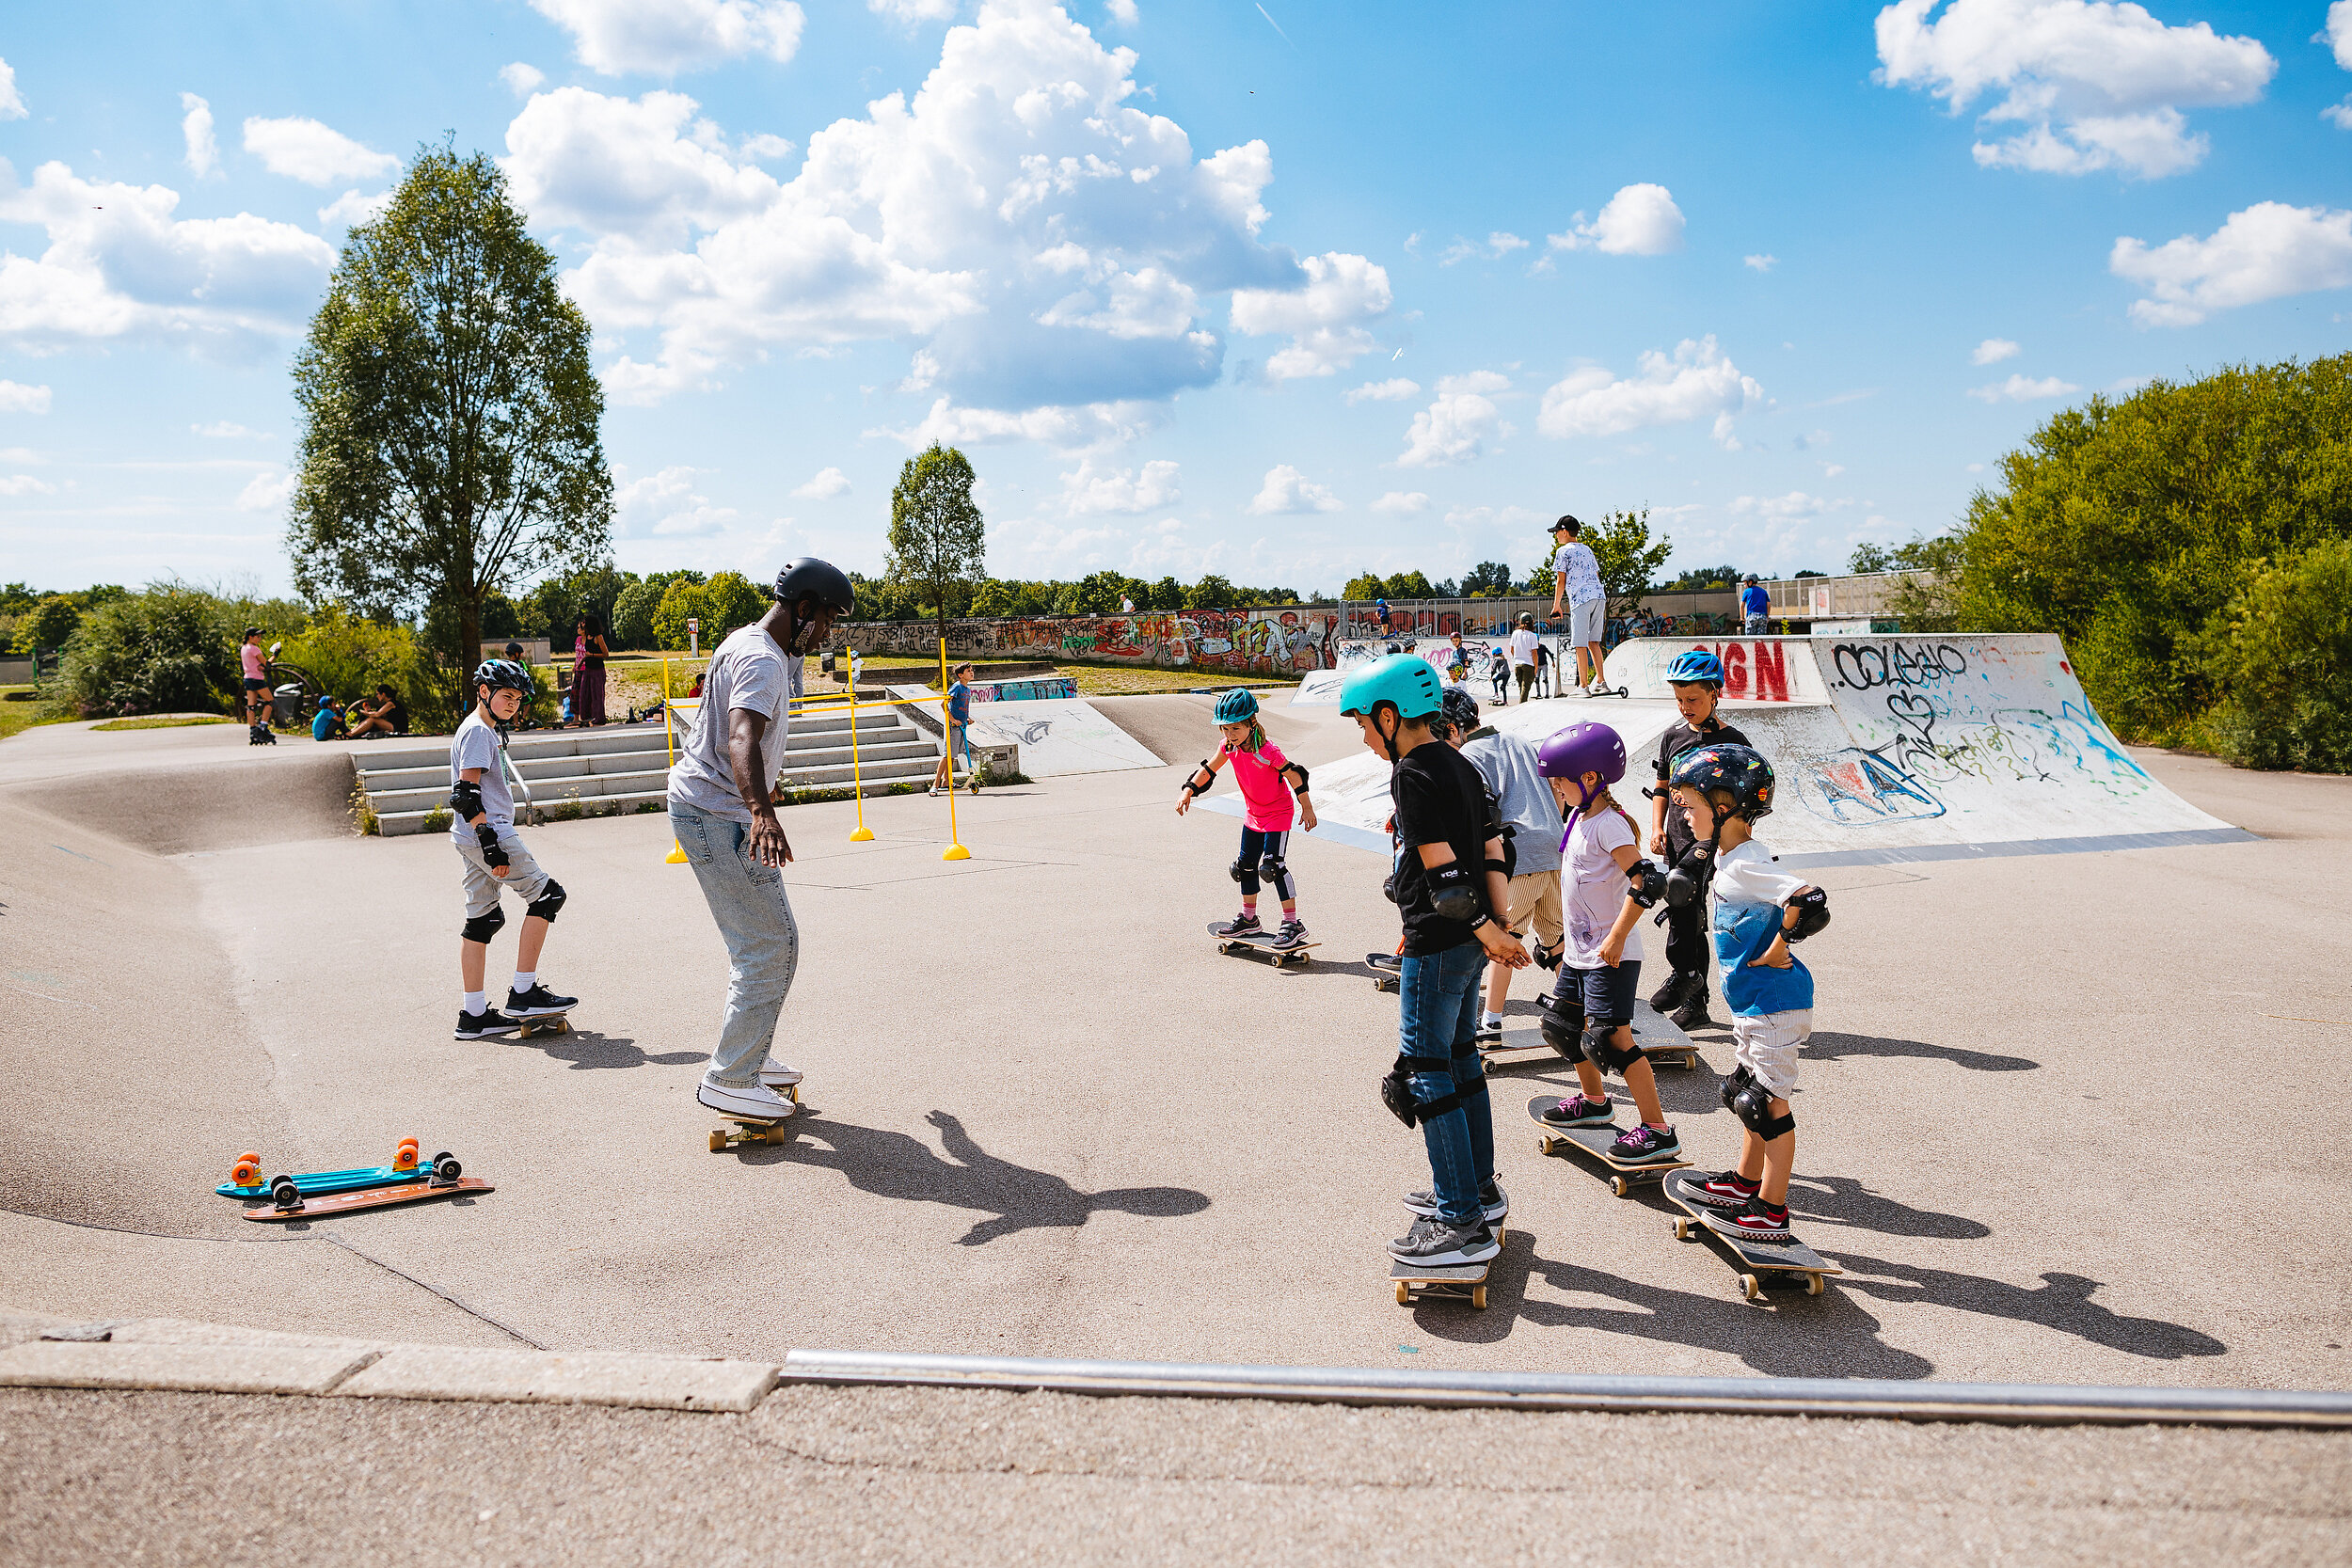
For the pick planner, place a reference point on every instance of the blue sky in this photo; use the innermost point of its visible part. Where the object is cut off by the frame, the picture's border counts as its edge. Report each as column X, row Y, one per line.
column 1284, row 293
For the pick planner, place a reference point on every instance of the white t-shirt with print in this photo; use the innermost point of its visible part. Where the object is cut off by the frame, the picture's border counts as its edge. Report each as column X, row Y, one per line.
column 1579, row 569
column 1592, row 887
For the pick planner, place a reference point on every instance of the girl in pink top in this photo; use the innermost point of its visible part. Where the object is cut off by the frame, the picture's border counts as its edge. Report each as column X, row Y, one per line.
column 1267, row 781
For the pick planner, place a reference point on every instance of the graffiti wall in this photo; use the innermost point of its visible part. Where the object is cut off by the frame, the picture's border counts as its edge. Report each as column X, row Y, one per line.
column 1755, row 669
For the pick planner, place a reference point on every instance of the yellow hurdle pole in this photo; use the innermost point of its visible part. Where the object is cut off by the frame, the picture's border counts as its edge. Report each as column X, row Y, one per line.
column 955, row 850
column 857, row 779
column 669, row 746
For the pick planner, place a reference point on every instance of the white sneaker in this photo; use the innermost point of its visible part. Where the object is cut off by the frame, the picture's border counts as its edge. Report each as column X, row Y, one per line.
column 776, row 1075
column 757, row 1100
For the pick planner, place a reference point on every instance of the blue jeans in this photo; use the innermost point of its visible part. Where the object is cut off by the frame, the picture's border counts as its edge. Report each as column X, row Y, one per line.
column 754, row 918
column 1437, row 1000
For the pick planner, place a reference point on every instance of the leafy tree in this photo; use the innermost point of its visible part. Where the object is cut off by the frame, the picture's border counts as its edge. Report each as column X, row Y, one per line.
column 1410, row 585
column 501, row 620
column 938, row 539
column 1166, row 594
column 1807, row 574
column 49, row 622
column 1100, row 593
column 1621, row 545
column 449, row 441
column 1700, row 579
column 1210, row 593
column 169, row 648
column 1365, row 585
column 729, row 601
column 1487, row 579
column 2283, row 659
column 995, row 598
column 348, row 656
column 681, row 602
column 632, row 614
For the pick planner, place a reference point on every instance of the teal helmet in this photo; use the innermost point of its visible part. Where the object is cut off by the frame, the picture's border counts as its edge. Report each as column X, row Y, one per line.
column 1237, row 706
column 1405, row 681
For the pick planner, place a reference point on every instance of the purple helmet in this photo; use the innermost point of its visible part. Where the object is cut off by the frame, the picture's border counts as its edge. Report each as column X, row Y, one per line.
column 1582, row 749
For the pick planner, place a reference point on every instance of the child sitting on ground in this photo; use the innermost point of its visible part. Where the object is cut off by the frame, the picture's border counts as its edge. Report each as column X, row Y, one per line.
column 328, row 723
column 1756, row 913
column 1605, row 885
column 1266, row 778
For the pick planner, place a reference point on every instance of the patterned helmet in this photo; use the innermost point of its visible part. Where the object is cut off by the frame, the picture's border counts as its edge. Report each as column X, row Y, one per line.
column 1696, row 668
column 1459, row 709
column 1405, row 681
column 1237, row 706
column 1741, row 770
column 502, row 675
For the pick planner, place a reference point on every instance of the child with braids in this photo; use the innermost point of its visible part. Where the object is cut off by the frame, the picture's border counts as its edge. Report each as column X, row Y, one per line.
column 1267, row 781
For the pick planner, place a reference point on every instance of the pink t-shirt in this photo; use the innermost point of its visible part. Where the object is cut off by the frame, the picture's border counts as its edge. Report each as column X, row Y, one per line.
column 1259, row 775
column 251, row 654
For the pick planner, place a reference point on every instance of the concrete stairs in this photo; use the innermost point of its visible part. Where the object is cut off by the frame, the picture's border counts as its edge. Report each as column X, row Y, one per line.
column 624, row 768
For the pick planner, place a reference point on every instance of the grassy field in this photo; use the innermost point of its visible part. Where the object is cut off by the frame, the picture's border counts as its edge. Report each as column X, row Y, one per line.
column 164, row 721
column 1094, row 680
column 16, row 718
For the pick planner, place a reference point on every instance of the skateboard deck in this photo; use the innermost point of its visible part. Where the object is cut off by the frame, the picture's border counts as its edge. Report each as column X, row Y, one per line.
column 1450, row 1282
column 1385, row 967
column 1264, row 945
column 1661, row 1042
column 753, row 1130
column 331, row 1204
column 1595, row 1141
column 245, row 1178
column 1761, row 1258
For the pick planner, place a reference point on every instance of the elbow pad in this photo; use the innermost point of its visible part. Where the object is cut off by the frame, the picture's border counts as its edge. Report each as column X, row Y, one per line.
column 465, row 799
column 1812, row 907
column 1645, row 886
column 1685, row 885
column 1451, row 895
column 1300, row 787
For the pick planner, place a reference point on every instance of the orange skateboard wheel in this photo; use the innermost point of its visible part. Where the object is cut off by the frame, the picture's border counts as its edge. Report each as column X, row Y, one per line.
column 246, row 1173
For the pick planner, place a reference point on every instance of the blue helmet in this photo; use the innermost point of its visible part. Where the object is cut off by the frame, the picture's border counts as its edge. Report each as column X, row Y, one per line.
column 1405, row 681
column 1696, row 668
column 1719, row 765
column 1237, row 706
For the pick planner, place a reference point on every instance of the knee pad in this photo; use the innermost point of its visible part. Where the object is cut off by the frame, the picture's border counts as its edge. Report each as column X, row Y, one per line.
column 549, row 902
column 482, row 927
column 1602, row 1050
column 1396, row 1090
column 1271, row 870
column 1240, row 869
column 1751, row 1102
column 1562, row 1028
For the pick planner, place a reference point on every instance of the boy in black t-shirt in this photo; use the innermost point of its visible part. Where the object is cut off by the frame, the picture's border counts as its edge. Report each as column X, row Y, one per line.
column 1449, row 880
column 1697, row 679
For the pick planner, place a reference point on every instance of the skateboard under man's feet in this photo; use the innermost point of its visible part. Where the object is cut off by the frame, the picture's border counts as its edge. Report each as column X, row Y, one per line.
column 753, row 1130
column 1759, row 1257
column 1264, row 943
column 1595, row 1141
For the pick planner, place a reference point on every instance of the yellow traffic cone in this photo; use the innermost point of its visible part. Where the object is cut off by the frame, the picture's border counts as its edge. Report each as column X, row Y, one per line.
column 676, row 855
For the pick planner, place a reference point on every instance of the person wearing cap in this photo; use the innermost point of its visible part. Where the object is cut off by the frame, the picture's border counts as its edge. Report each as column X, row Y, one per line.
column 1576, row 580
column 722, row 811
column 1756, row 604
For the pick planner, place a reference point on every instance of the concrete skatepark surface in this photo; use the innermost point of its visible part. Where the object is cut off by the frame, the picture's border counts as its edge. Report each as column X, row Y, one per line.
column 2063, row 1119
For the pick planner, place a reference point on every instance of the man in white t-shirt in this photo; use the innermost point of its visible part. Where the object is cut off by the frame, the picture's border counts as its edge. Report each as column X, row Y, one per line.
column 722, row 811
column 1523, row 646
column 1576, row 578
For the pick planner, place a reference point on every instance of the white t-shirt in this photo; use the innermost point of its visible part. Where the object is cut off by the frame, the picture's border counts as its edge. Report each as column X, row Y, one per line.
column 476, row 745
column 1580, row 570
column 1523, row 643
column 1592, row 887
column 750, row 670
column 1747, row 876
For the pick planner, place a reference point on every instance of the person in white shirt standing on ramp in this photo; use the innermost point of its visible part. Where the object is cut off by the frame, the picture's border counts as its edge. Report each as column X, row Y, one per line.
column 1576, row 578
column 726, row 822
column 1523, row 646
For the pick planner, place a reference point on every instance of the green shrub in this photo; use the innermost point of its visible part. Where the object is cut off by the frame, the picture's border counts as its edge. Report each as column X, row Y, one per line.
column 2283, row 660
column 167, row 649
column 350, row 656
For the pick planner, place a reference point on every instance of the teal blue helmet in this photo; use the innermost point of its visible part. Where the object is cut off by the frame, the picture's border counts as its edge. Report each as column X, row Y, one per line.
column 1405, row 681
column 1237, row 706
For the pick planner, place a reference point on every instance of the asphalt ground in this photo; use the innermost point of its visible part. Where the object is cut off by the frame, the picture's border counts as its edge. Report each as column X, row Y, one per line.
column 2064, row 1119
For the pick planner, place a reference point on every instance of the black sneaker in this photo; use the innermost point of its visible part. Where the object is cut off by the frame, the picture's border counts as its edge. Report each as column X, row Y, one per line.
column 1693, row 1014
column 1293, row 934
column 1642, row 1143
column 1240, row 925
column 1729, row 1190
column 484, row 1024
column 1433, row 1243
column 1491, row 1197
column 1760, row 1221
column 538, row 1002
column 1666, row 998
column 1580, row 1112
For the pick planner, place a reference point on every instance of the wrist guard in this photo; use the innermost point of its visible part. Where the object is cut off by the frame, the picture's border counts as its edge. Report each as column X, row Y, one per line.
column 487, row 837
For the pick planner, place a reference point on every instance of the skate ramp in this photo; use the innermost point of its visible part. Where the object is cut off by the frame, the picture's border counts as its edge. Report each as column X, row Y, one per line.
column 1059, row 736
column 1180, row 726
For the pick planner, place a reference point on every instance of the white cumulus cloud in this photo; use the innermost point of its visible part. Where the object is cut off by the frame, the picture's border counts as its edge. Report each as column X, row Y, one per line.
column 1122, row 11
column 825, row 485
column 1324, row 319
column 195, row 130
column 648, row 170
column 1696, row 381
column 1639, row 220
column 1088, row 491
column 351, row 209
column 225, row 430
column 1287, row 490
column 2337, row 35
column 1401, row 503
column 11, row 101
column 908, row 13
column 1993, row 351
column 2093, row 84
column 265, row 492
column 521, row 80
column 661, row 37
column 1457, row 425
column 26, row 484
column 120, row 265
column 17, row 398
column 1392, row 390
column 2021, row 388
column 2267, row 251
column 1764, row 263
column 665, row 505
column 313, row 153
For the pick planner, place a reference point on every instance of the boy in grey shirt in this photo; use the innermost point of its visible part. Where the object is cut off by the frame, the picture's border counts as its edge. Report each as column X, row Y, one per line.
column 481, row 828
column 1507, row 763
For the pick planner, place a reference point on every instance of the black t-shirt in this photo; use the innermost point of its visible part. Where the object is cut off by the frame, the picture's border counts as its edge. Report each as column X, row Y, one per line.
column 1678, row 739
column 1440, row 799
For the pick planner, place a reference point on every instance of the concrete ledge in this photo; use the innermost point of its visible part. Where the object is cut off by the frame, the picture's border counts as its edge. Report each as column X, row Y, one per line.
column 642, row 1382
column 187, row 1368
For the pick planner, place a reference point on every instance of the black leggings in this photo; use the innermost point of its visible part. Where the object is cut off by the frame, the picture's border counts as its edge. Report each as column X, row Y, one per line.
column 1256, row 846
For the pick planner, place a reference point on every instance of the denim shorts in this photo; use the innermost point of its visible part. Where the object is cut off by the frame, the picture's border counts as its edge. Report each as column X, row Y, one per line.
column 1609, row 992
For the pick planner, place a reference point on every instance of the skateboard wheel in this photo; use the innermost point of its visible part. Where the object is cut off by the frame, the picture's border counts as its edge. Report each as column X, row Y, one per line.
column 251, row 1157
column 1815, row 1284
column 245, row 1174
column 1682, row 1231
column 283, row 1192
column 1620, row 1186
column 408, row 1143
column 719, row 1141
column 1478, row 1297
column 1404, row 1294
column 446, row 1167
column 1751, row 1287
column 774, row 1134
column 1543, row 1144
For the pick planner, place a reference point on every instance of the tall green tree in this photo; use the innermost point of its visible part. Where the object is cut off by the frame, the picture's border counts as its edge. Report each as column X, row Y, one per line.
column 449, row 442
column 938, row 539
column 1621, row 545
